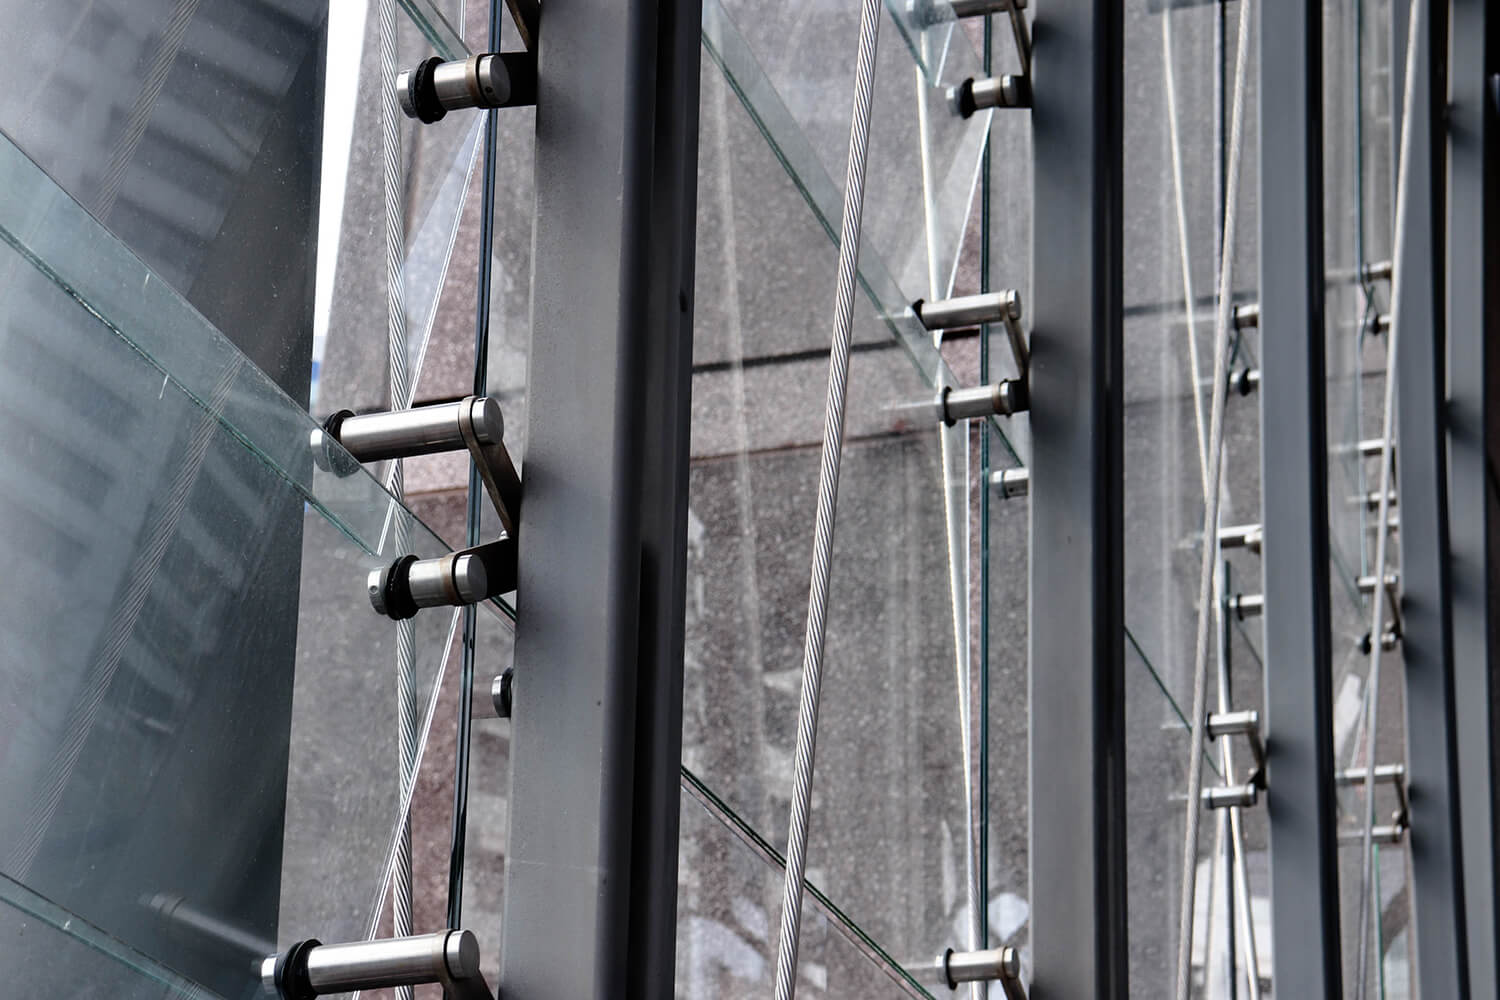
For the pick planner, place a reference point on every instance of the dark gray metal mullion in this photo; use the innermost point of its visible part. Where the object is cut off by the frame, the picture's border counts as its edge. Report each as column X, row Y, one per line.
column 1300, row 795
column 590, row 560
column 1438, row 918
column 1473, row 319
column 1077, row 730
column 666, row 388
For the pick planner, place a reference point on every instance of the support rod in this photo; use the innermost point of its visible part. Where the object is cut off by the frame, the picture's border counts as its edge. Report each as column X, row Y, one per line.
column 1298, row 712
column 1077, row 651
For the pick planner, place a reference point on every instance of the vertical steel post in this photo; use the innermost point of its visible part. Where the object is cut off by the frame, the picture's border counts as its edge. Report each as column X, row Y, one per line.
column 591, row 871
column 1300, row 797
column 1438, row 918
column 1473, row 299
column 1077, row 728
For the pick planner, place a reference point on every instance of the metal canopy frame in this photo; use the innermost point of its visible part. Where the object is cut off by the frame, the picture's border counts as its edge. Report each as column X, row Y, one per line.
column 1077, row 636
column 591, row 874
column 1473, row 306
column 1437, row 889
column 1300, row 794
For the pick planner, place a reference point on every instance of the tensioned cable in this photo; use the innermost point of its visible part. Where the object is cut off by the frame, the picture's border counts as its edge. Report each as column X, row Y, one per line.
column 1189, row 299
column 1211, row 516
column 400, row 394
column 474, row 503
column 828, row 488
column 953, row 443
column 1383, row 518
column 1239, row 877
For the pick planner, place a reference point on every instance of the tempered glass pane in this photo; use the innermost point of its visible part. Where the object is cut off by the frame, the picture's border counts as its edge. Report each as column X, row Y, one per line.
column 1176, row 130
column 489, row 796
column 183, row 126
column 207, row 761
column 96, row 965
column 728, row 908
column 1008, row 891
column 804, row 115
column 437, row 179
column 1357, row 214
column 889, row 808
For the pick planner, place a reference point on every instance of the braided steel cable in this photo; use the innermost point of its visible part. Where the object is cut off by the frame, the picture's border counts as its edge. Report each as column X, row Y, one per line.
column 828, row 486
column 1239, row 878
column 1383, row 517
column 1214, row 481
column 400, row 398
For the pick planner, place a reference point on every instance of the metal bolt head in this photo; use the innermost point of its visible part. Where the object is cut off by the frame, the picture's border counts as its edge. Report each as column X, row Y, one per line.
column 375, row 582
column 461, row 953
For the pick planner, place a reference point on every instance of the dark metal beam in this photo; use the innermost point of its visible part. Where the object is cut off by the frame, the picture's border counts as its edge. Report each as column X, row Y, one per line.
column 591, row 870
column 1438, row 924
column 667, row 386
column 1300, row 796
column 1473, row 300
column 1077, row 734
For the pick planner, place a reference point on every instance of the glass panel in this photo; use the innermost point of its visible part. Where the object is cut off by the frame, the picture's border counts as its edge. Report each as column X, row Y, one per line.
column 1357, row 215
column 489, row 796
column 807, row 131
column 183, row 127
column 1008, row 758
column 438, row 181
column 92, row 964
column 1181, row 70
column 728, row 912
column 186, row 771
column 888, row 835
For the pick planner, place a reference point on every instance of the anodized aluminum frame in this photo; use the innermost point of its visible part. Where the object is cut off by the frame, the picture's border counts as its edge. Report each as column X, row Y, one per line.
column 591, row 870
column 1077, row 629
column 1437, row 882
column 1473, row 302
column 1300, row 794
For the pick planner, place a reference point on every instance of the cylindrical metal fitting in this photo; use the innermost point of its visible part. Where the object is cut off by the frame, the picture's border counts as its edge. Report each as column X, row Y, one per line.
column 450, row 580
column 1007, row 91
column 1245, row 381
column 1383, row 835
column 967, row 404
column 979, row 8
column 1384, row 774
column 1247, row 605
column 502, row 692
column 369, row 965
column 1227, row 796
column 1366, row 583
column 1371, row 500
column 1233, row 723
column 954, row 967
column 983, row 966
column 969, row 310
column 1011, row 482
column 1006, row 398
column 1241, row 536
column 436, row 87
column 422, row 430
column 1247, row 315
column 191, row 924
